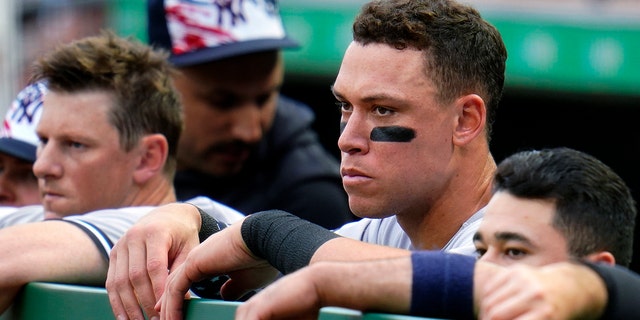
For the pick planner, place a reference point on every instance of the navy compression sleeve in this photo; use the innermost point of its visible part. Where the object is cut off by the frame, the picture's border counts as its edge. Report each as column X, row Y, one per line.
column 285, row 240
column 442, row 285
column 623, row 287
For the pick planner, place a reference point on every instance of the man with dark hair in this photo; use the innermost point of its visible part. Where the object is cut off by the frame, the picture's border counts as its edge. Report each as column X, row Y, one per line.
column 244, row 143
column 557, row 204
column 536, row 195
column 417, row 89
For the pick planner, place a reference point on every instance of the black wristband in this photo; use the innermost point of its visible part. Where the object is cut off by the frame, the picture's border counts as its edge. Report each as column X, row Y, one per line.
column 286, row 241
column 208, row 226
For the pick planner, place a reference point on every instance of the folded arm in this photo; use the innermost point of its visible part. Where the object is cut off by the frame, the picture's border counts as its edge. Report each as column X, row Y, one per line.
column 246, row 251
column 54, row 251
column 369, row 286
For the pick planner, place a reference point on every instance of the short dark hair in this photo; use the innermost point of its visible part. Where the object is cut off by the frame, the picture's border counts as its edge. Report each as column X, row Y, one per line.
column 463, row 52
column 594, row 207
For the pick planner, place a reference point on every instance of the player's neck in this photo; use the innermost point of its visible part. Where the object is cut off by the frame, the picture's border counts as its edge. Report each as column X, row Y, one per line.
column 433, row 224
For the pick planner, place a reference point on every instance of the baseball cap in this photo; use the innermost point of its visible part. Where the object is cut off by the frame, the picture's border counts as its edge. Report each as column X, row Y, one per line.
column 18, row 133
column 200, row 31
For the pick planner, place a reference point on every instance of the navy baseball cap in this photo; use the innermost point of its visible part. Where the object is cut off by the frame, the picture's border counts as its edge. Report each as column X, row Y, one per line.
column 201, row 31
column 18, row 133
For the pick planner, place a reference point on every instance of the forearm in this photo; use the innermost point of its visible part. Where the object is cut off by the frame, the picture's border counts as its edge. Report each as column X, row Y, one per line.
column 289, row 243
column 377, row 285
column 395, row 285
column 47, row 251
column 286, row 241
column 346, row 249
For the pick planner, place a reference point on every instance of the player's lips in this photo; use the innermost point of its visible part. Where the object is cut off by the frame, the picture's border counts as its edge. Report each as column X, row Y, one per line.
column 352, row 176
column 50, row 194
column 48, row 191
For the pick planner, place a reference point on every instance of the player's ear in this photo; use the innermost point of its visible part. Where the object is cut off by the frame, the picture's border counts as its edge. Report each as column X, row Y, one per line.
column 602, row 256
column 472, row 117
column 154, row 150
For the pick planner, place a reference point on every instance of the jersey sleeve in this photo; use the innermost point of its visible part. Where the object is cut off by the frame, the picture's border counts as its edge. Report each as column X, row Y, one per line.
column 106, row 227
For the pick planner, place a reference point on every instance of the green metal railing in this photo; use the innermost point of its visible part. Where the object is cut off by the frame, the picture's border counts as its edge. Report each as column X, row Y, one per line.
column 51, row 301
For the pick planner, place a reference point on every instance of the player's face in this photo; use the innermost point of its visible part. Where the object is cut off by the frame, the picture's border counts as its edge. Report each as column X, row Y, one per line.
column 80, row 164
column 517, row 230
column 228, row 107
column 396, row 140
column 18, row 185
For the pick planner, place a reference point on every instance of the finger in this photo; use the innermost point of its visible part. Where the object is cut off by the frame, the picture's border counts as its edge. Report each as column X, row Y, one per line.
column 121, row 295
column 180, row 252
column 172, row 299
column 110, row 284
column 496, row 293
column 156, row 264
column 146, row 263
column 504, row 284
column 521, row 297
column 511, row 307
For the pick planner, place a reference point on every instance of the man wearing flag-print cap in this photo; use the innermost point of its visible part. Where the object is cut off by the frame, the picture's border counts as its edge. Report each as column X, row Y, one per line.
column 18, row 143
column 244, row 143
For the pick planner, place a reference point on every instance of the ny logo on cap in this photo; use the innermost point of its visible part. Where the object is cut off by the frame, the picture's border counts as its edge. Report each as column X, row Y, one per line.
column 24, row 114
column 197, row 24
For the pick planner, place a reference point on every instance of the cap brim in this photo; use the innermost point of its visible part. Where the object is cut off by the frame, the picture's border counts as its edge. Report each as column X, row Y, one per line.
column 19, row 149
column 230, row 50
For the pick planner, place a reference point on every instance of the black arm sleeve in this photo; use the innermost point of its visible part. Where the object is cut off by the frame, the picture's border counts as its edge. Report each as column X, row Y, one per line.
column 623, row 287
column 208, row 225
column 286, row 241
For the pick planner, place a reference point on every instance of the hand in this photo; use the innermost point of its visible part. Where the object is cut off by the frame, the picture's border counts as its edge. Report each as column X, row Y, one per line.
column 348, row 284
column 557, row 291
column 223, row 253
column 141, row 259
column 294, row 296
